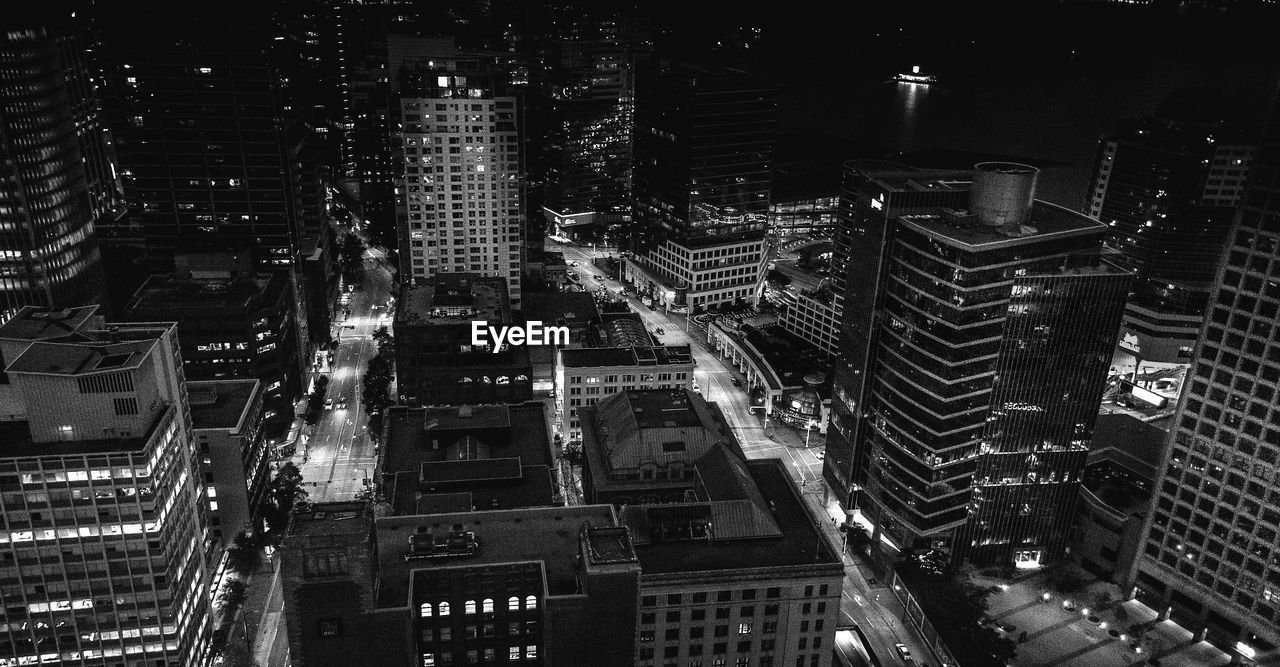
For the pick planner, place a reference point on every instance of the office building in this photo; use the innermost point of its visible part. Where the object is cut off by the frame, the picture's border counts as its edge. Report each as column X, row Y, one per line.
column 199, row 137
column 585, row 376
column 703, row 147
column 233, row 322
column 462, row 210
column 539, row 586
column 436, row 363
column 48, row 250
column 1167, row 186
column 990, row 355
column 227, row 418
column 581, row 112
column 1209, row 556
column 104, row 516
column 872, row 192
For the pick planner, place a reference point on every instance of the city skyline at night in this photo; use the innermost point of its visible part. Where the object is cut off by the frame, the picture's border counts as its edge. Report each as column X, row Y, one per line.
column 431, row 333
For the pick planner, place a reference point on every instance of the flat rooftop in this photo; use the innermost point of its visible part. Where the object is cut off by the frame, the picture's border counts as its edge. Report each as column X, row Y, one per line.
column 594, row 357
column 220, row 404
column 339, row 521
column 166, row 292
column 1047, row 222
column 453, row 298
column 548, row 535
column 35, row 323
column 899, row 177
column 800, row 543
column 77, row 358
column 662, row 408
column 560, row 308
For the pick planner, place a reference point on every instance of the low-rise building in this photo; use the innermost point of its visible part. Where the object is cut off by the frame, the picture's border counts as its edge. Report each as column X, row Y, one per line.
column 539, row 586
column 234, row 466
column 706, row 272
column 436, row 361
column 585, row 376
column 1116, row 492
column 467, row 457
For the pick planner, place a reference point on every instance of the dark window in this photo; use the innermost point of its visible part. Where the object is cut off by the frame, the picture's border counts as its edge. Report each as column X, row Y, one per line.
column 330, row 627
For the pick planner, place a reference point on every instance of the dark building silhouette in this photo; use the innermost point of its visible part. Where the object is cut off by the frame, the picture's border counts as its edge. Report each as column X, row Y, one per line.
column 1209, row 555
column 233, row 322
column 580, row 118
column 49, row 252
column 199, row 135
column 1167, row 186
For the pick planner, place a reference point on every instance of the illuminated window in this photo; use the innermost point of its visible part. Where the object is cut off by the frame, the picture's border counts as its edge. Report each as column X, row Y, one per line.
column 531, row 652
column 444, row 608
column 531, row 602
column 425, row 610
column 488, row 605
column 470, row 607
column 513, row 603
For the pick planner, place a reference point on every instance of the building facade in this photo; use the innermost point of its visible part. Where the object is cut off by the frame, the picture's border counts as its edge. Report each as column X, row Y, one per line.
column 971, row 300
column 1209, row 554
column 227, row 417
column 706, row 273
column 585, row 376
column 100, row 491
column 48, row 249
column 463, row 204
column 871, row 193
column 1166, row 187
column 233, row 323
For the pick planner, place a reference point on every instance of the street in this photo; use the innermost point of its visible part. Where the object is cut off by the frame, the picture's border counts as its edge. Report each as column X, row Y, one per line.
column 339, row 454
column 872, row 608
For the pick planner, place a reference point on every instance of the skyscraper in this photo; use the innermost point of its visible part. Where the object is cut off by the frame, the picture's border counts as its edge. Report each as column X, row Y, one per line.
column 990, row 345
column 48, row 250
column 202, row 152
column 701, row 179
column 872, row 192
column 104, row 514
column 1166, row 186
column 1213, row 538
column 463, row 206
column 581, row 98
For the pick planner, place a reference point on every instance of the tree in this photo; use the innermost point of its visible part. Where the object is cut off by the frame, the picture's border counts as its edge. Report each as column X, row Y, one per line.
column 1065, row 578
column 244, row 554
column 286, row 488
column 351, row 259
column 953, row 603
column 231, row 596
column 386, row 343
column 573, row 452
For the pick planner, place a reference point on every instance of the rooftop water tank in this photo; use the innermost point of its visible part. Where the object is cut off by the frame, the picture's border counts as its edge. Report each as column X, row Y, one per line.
column 1002, row 192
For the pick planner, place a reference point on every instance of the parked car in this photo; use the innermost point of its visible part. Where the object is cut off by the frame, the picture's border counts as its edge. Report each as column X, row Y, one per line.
column 903, row 652
column 736, row 382
column 328, row 404
column 660, row 331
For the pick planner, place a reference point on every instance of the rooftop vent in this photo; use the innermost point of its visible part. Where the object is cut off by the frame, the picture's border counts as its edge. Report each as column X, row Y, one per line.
column 464, row 411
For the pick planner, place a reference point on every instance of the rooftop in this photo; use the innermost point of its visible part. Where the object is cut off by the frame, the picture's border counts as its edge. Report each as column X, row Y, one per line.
column 548, row 535
column 625, row 330
column 452, row 298
column 168, row 292
column 35, row 323
column 1047, row 222
column 220, row 404
column 899, row 177
column 78, row 358
column 595, row 357
column 340, row 521
column 797, row 541
column 573, row 309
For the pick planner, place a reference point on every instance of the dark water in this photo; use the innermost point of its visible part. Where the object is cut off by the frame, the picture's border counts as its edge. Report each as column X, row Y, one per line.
column 1037, row 80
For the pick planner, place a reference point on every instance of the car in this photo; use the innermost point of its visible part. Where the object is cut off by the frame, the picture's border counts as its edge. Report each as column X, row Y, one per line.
column 574, row 264
column 660, row 331
column 598, row 277
column 821, row 455
column 1008, row 628
column 342, row 404
column 872, row 581
column 903, row 652
column 328, row 404
column 348, row 326
column 736, row 382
